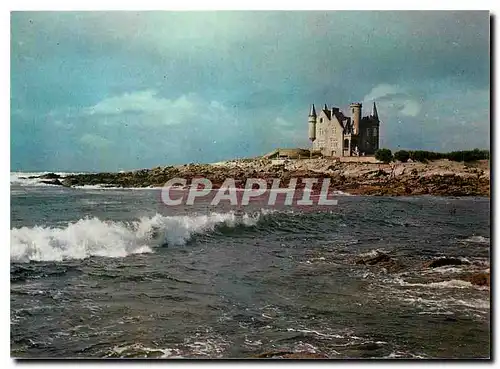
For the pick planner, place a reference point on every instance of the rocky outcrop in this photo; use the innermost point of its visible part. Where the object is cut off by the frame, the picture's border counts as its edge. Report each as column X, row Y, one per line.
column 50, row 176
column 441, row 178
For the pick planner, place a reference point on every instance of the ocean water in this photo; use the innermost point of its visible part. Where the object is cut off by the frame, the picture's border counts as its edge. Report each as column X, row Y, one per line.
column 114, row 273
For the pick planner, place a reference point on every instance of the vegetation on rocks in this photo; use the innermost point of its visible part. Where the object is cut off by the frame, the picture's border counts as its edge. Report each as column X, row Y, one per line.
column 384, row 155
column 402, row 156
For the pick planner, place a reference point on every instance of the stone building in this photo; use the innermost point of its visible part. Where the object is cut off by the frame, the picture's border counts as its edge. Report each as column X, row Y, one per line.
column 334, row 134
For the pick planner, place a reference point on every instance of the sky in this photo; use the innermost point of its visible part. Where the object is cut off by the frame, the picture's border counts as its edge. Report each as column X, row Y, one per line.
column 108, row 91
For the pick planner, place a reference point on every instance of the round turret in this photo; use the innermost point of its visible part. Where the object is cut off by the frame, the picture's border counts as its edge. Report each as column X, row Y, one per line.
column 312, row 124
column 356, row 116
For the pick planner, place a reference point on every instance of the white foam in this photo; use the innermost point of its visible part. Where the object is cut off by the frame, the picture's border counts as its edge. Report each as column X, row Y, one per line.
column 373, row 253
column 473, row 303
column 170, row 353
column 453, row 283
column 401, row 354
column 317, row 333
column 477, row 239
column 341, row 193
column 94, row 237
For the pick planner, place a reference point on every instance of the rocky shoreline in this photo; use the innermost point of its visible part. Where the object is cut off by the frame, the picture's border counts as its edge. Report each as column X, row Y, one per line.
column 440, row 177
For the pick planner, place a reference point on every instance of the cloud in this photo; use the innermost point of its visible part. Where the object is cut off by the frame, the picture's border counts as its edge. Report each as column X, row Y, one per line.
column 393, row 99
column 382, row 90
column 138, row 102
column 147, row 107
column 411, row 108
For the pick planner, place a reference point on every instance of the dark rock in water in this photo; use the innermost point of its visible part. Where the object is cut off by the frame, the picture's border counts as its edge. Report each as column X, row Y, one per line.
column 50, row 176
column 56, row 182
column 479, row 279
column 382, row 260
column 271, row 354
column 291, row 355
column 443, row 262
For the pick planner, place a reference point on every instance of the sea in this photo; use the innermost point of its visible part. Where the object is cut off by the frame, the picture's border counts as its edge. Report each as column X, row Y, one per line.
column 114, row 273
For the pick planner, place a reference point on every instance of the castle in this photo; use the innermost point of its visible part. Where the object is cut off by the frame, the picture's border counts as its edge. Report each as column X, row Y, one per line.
column 334, row 134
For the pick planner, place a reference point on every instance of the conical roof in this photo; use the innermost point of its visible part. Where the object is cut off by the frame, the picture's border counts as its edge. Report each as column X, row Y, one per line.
column 374, row 111
column 312, row 113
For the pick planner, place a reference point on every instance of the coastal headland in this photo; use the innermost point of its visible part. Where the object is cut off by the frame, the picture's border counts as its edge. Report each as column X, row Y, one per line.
column 438, row 177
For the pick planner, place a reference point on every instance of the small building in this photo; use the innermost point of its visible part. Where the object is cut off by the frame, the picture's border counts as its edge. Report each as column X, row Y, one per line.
column 334, row 134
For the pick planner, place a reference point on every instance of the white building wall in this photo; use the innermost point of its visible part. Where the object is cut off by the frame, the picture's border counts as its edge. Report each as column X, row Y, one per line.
column 329, row 136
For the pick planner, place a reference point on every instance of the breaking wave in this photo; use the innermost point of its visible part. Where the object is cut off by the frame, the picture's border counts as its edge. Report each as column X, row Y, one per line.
column 23, row 178
column 94, row 237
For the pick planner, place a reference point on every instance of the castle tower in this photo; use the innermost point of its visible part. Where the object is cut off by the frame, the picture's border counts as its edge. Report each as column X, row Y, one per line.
column 312, row 124
column 356, row 116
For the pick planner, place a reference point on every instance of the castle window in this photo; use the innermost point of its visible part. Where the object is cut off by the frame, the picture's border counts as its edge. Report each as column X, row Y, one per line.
column 375, row 131
column 321, row 120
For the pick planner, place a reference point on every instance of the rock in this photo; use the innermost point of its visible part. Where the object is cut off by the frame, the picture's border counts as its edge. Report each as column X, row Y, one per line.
column 436, row 263
column 380, row 258
column 383, row 261
column 354, row 178
column 56, row 182
column 50, row 176
column 398, row 171
column 479, row 279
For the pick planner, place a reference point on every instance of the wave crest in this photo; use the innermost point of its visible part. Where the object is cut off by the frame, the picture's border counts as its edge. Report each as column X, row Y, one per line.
column 94, row 237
